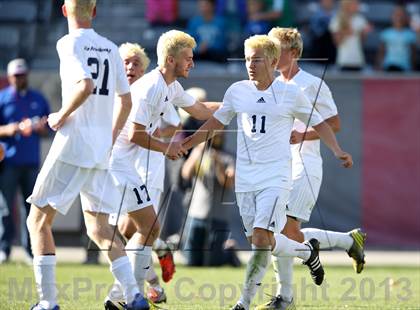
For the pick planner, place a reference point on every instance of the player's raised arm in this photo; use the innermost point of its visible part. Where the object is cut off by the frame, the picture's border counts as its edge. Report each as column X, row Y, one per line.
column 82, row 91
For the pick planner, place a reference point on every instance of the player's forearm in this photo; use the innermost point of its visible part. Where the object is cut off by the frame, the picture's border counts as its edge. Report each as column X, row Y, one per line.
column 334, row 122
column 169, row 131
column 204, row 133
column 143, row 139
column 328, row 137
column 123, row 109
column 83, row 90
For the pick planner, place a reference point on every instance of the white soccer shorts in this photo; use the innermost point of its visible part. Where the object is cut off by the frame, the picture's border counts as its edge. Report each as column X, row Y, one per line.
column 58, row 184
column 155, row 195
column 265, row 209
column 303, row 196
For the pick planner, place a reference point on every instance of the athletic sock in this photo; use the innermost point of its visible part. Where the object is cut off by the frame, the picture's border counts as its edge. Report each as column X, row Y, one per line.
column 255, row 271
column 44, row 271
column 288, row 247
column 329, row 239
column 283, row 267
column 151, row 276
column 123, row 273
column 139, row 256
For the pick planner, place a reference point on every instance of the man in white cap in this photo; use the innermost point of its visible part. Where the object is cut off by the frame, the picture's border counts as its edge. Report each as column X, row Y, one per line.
column 23, row 113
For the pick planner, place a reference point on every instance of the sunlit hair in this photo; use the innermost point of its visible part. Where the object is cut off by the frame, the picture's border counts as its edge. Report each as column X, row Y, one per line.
column 171, row 43
column 270, row 47
column 289, row 38
column 133, row 49
column 80, row 9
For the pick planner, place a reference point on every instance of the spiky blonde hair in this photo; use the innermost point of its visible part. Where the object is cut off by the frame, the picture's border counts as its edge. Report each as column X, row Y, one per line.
column 133, row 49
column 270, row 47
column 80, row 9
column 289, row 38
column 171, row 43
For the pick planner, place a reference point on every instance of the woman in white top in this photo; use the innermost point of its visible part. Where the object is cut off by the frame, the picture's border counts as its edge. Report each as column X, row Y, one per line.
column 349, row 28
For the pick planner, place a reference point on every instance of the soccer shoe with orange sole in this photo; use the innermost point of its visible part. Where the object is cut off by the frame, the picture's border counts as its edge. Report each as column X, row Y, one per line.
column 357, row 250
column 156, row 295
column 167, row 265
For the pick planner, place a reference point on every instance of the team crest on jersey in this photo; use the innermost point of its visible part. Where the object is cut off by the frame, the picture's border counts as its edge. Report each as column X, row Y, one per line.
column 261, row 100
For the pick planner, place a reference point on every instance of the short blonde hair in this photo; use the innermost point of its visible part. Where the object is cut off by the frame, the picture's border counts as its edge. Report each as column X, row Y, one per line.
column 270, row 47
column 133, row 49
column 80, row 9
column 171, row 43
column 289, row 38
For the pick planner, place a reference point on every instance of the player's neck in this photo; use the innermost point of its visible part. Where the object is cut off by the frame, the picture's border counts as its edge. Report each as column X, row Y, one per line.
column 264, row 84
column 168, row 75
column 77, row 24
column 290, row 72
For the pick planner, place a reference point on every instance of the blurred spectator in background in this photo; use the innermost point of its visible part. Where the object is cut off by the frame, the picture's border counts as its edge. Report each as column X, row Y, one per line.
column 161, row 12
column 211, row 172
column 397, row 51
column 235, row 16
column 254, row 26
column 321, row 37
column 23, row 118
column 208, row 30
column 349, row 28
column 276, row 12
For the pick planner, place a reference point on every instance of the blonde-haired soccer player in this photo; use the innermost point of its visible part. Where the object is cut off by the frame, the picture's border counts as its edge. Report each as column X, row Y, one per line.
column 92, row 73
column 306, row 169
column 265, row 108
column 153, row 96
column 136, row 63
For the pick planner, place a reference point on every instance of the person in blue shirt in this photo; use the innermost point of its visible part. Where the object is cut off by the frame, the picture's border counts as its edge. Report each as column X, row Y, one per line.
column 208, row 31
column 23, row 117
column 397, row 51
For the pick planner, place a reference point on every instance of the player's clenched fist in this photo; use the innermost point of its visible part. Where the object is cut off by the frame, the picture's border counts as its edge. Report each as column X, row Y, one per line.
column 347, row 160
column 56, row 120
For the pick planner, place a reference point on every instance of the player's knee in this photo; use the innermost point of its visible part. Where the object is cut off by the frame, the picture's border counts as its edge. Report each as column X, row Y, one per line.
column 37, row 224
column 127, row 228
column 293, row 233
column 97, row 233
column 261, row 238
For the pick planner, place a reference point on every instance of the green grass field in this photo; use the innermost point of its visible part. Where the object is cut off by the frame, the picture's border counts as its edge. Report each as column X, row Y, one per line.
column 84, row 287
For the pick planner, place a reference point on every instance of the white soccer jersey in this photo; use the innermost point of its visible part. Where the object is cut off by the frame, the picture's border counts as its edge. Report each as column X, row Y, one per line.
column 85, row 140
column 152, row 99
column 265, row 121
column 151, row 164
column 310, row 152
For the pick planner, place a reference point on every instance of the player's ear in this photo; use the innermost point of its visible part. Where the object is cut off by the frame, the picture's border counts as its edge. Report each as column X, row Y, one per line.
column 64, row 10
column 94, row 12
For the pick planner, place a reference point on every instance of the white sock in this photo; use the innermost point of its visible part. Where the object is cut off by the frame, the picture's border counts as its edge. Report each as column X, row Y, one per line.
column 288, row 247
column 44, row 270
column 255, row 271
column 328, row 239
column 123, row 273
column 139, row 256
column 283, row 267
column 151, row 276
column 160, row 247
column 116, row 293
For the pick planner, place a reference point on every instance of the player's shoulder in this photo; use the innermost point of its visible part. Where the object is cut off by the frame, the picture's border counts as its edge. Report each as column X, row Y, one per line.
column 306, row 79
column 149, row 85
column 240, row 86
column 280, row 85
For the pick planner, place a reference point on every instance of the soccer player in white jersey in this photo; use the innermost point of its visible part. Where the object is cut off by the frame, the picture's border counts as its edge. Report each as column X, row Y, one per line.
column 136, row 63
column 91, row 72
column 265, row 109
column 306, row 171
column 153, row 96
